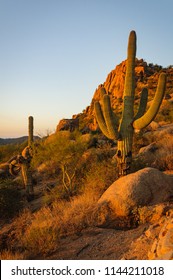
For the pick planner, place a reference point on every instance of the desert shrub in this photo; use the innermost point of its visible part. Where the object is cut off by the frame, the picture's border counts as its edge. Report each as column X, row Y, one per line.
column 49, row 224
column 9, row 255
column 84, row 121
column 77, row 214
column 95, row 170
column 61, row 156
column 166, row 112
column 11, row 237
column 139, row 141
column 101, row 169
column 8, row 151
column 10, row 199
column 165, row 153
column 38, row 234
column 41, row 235
column 100, row 176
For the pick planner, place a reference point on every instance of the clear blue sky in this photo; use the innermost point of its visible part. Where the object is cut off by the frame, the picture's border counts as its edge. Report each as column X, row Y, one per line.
column 54, row 53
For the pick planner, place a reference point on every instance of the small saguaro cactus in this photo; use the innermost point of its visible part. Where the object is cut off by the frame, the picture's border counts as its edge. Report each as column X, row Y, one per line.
column 26, row 161
column 123, row 131
column 22, row 163
column 30, row 130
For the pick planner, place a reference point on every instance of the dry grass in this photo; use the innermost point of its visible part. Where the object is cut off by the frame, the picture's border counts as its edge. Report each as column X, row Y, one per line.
column 165, row 153
column 37, row 234
column 8, row 255
column 49, row 225
column 41, row 235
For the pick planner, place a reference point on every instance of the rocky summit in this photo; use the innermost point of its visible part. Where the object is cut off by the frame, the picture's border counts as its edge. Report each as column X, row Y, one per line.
column 146, row 75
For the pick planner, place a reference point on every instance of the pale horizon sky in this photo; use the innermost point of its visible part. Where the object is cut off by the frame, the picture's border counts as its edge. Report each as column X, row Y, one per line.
column 55, row 53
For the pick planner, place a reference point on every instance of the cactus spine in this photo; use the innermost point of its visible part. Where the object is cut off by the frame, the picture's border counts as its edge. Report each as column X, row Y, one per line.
column 124, row 133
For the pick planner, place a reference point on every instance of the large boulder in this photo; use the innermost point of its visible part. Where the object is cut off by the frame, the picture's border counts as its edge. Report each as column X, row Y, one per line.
column 121, row 200
column 149, row 154
column 158, row 153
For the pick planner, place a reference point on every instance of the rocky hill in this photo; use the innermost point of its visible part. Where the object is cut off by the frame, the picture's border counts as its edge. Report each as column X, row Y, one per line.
column 146, row 76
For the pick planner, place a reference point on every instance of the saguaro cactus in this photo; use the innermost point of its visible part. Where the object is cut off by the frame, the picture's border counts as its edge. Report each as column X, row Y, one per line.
column 123, row 132
column 26, row 161
column 30, row 130
column 22, row 162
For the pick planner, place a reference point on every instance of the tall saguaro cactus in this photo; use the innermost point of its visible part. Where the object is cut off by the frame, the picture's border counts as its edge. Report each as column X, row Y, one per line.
column 123, row 132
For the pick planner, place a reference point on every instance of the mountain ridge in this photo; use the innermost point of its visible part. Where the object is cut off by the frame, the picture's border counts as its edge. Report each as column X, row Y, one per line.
column 17, row 140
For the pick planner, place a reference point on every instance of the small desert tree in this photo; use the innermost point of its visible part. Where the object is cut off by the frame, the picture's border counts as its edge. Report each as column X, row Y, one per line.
column 62, row 152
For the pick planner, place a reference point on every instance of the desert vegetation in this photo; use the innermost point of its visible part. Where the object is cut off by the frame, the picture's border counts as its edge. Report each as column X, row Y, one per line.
column 71, row 171
column 73, row 175
column 51, row 206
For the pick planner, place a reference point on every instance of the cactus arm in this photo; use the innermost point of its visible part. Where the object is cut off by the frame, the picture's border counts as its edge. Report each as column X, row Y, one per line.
column 105, row 116
column 102, row 92
column 143, row 104
column 11, row 159
column 145, row 120
column 100, row 119
column 14, row 168
column 109, row 117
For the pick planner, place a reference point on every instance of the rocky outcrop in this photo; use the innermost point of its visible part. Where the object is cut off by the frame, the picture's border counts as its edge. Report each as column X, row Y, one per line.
column 122, row 199
column 148, row 155
column 158, row 153
column 68, row 124
column 146, row 75
column 114, row 83
column 162, row 248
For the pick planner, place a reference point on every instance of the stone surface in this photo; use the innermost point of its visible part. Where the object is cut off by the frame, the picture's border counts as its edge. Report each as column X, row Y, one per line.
column 148, row 154
column 148, row 186
column 162, row 248
column 146, row 75
column 68, row 124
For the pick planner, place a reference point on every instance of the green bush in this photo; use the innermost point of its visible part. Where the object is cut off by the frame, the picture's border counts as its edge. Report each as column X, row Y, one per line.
column 61, row 154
